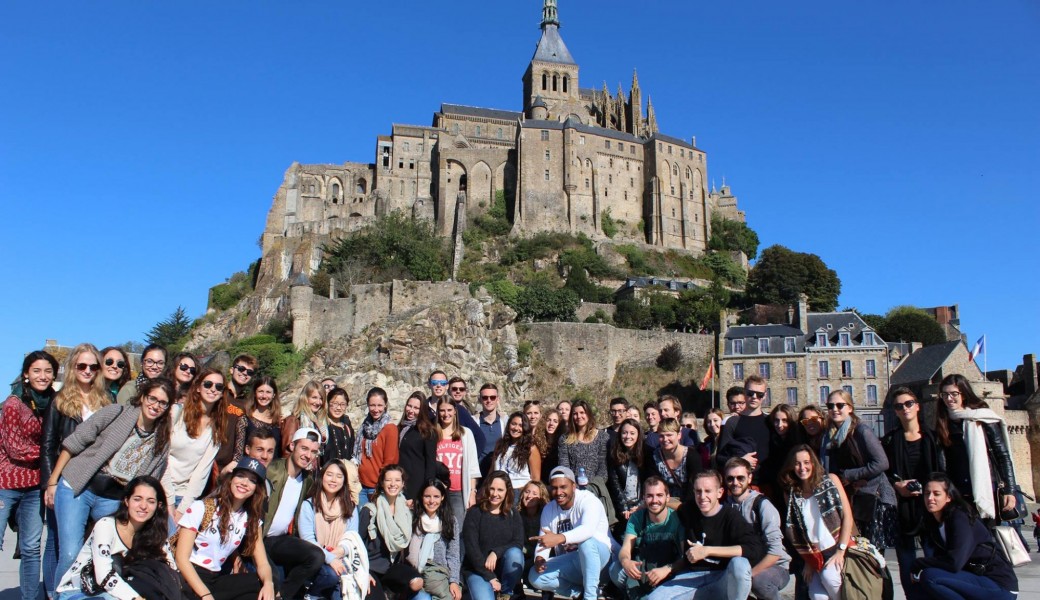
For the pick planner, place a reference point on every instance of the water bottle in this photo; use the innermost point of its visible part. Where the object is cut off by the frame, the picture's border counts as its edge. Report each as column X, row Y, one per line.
column 583, row 478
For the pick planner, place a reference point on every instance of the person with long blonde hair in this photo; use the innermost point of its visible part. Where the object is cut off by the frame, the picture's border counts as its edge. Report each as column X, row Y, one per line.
column 84, row 391
column 310, row 411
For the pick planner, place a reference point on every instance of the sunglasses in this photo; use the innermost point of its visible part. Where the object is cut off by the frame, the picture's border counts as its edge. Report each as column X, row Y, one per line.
column 754, row 394
column 187, row 368
column 249, row 372
column 110, row 361
column 438, row 382
column 212, row 384
column 489, row 397
column 836, row 406
column 456, row 389
column 904, row 405
column 811, row 420
column 687, row 425
column 87, row 367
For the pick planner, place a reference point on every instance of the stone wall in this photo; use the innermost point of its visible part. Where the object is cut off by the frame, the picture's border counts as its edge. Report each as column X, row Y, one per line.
column 587, row 309
column 410, row 295
column 1021, row 454
column 588, row 353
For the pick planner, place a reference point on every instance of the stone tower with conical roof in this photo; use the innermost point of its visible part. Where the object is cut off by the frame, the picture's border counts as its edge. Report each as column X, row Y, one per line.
column 552, row 73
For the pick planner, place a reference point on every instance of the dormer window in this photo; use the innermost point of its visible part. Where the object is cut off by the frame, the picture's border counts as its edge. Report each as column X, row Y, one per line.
column 844, row 338
column 789, row 345
column 868, row 338
column 738, row 347
column 821, row 339
column 763, row 346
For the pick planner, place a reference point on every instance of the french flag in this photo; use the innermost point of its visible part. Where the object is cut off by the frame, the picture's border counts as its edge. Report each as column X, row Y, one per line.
column 980, row 347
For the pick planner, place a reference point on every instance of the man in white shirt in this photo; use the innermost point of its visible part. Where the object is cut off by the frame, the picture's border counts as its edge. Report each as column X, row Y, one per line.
column 290, row 483
column 575, row 533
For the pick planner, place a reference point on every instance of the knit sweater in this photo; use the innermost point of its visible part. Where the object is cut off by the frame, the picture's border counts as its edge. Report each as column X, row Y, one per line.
column 98, row 438
column 190, row 461
column 591, row 455
column 484, row 533
column 20, row 434
column 384, row 452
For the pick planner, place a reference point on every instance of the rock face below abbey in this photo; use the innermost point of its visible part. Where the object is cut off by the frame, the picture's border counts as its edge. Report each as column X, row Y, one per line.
column 570, row 159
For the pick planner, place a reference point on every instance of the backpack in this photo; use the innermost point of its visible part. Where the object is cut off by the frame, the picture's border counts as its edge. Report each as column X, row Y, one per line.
column 865, row 575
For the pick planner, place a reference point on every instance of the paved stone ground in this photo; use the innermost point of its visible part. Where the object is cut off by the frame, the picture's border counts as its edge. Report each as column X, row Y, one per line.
column 1028, row 576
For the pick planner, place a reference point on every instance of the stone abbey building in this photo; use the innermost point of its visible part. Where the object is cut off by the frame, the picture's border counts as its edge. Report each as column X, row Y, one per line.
column 571, row 158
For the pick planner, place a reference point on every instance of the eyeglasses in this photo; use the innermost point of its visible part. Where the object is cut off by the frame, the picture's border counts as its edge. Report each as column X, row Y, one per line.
column 836, row 406
column 736, row 478
column 87, row 367
column 455, row 389
column 687, row 425
column 328, row 386
column 438, row 382
column 212, row 384
column 241, row 369
column 904, row 405
column 338, row 405
column 148, row 362
column 949, row 394
column 754, row 394
column 109, row 362
column 187, row 368
column 618, row 411
column 482, row 397
column 811, row 421
column 156, row 402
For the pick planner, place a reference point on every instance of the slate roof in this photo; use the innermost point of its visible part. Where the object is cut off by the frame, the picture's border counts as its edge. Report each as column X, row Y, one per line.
column 671, row 284
column 551, row 47
column 922, row 365
column 476, row 111
column 760, row 331
column 837, row 320
column 674, row 140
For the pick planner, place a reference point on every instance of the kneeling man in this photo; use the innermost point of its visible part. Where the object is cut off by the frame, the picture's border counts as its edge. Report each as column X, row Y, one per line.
column 652, row 550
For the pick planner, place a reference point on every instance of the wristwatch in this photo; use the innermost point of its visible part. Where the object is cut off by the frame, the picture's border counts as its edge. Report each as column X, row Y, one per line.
column 843, row 546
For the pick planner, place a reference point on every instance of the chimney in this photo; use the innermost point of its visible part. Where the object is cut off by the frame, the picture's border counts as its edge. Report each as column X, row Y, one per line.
column 803, row 309
column 790, row 316
column 1029, row 375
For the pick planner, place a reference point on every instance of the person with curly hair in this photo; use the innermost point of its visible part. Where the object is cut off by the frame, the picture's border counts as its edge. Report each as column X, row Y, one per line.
column 516, row 453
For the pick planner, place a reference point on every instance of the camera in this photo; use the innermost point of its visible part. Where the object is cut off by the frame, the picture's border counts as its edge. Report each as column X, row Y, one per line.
column 914, row 486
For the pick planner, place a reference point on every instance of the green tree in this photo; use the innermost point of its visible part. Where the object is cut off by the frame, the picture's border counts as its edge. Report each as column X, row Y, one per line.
column 911, row 324
column 169, row 332
column 725, row 268
column 633, row 314
column 733, row 235
column 394, row 246
column 781, row 274
column 540, row 301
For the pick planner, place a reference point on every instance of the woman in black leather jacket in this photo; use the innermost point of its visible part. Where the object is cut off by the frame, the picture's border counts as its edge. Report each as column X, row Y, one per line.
column 966, row 563
column 974, row 440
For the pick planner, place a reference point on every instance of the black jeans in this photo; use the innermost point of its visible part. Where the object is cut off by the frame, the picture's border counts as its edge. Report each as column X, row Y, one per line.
column 300, row 560
column 226, row 586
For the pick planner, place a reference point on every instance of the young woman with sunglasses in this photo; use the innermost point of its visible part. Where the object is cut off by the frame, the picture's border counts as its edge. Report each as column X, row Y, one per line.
column 136, row 532
column 115, row 445
column 812, row 423
column 181, row 370
column 115, row 367
column 417, row 446
column 83, row 393
column 913, row 455
column 262, row 413
column 153, row 363
column 435, row 549
column 978, row 453
column 852, row 451
column 965, row 565
column 197, row 429
column 21, row 428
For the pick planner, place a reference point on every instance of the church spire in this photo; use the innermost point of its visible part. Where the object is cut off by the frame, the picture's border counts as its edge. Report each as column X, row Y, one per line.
column 549, row 16
column 651, row 118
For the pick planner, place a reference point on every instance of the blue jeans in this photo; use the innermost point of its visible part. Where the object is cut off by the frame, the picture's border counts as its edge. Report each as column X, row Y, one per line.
column 50, row 555
column 29, row 513
column 81, row 596
column 906, row 554
column 326, row 584
column 509, row 568
column 943, row 585
column 575, row 572
column 733, row 583
column 72, row 512
column 364, row 497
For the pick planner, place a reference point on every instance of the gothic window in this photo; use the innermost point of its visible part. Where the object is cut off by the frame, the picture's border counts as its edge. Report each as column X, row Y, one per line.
column 360, row 186
column 675, row 170
column 689, row 173
column 545, row 79
column 335, row 192
column 545, row 136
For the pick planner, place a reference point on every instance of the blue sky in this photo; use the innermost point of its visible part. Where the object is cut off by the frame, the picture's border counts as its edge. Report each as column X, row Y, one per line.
column 141, row 142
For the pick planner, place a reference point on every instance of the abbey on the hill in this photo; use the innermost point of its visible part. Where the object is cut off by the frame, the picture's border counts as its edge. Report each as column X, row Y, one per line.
column 571, row 158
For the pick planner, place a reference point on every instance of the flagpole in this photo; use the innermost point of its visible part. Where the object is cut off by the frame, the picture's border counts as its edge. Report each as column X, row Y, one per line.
column 985, row 359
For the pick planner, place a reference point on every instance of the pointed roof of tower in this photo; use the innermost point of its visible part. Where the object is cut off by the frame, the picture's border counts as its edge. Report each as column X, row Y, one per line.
column 551, row 47
column 635, row 79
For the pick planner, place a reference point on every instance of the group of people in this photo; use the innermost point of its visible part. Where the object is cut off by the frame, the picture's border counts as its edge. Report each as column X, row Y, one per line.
column 196, row 486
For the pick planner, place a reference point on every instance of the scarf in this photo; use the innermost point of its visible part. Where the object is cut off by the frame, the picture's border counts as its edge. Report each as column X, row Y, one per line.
column 978, row 456
column 829, row 501
column 330, row 524
column 393, row 527
column 370, row 429
column 420, row 549
column 354, row 583
column 38, row 402
column 832, row 440
column 403, row 427
column 141, row 379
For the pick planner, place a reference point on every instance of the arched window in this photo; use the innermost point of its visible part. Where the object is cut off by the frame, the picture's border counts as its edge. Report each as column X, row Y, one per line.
column 361, row 185
column 545, row 81
column 566, row 82
column 335, row 192
column 478, row 130
column 689, row 173
column 555, row 78
column 675, row 170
